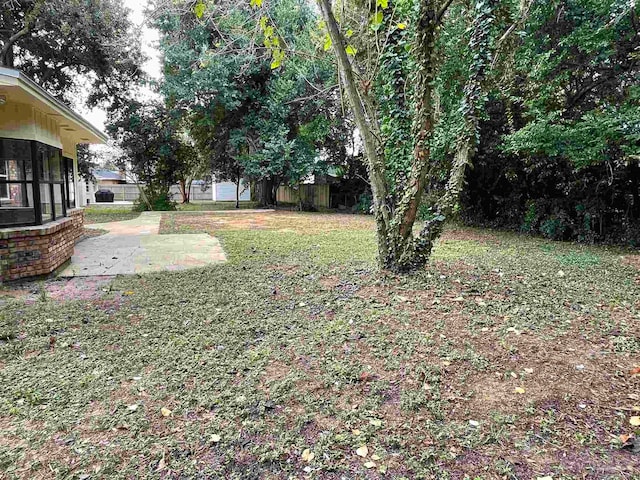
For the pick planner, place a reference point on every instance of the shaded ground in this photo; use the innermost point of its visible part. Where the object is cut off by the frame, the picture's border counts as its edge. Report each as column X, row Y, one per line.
column 214, row 206
column 507, row 357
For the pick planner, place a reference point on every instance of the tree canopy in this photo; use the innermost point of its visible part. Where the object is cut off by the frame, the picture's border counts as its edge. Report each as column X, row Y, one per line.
column 251, row 116
column 70, row 47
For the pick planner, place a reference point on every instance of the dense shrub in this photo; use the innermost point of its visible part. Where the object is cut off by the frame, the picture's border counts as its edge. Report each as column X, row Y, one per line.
column 159, row 200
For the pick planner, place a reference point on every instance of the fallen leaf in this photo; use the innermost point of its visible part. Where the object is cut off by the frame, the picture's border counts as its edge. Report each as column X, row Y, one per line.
column 363, row 451
column 519, row 390
column 375, row 457
column 528, row 370
column 161, row 464
column 356, row 432
column 375, row 422
column 549, row 477
column 307, row 455
column 215, row 438
column 635, row 421
column 133, row 407
column 474, row 423
column 625, row 437
column 635, row 371
column 446, row 363
column 165, row 412
column 370, row 465
column 383, row 469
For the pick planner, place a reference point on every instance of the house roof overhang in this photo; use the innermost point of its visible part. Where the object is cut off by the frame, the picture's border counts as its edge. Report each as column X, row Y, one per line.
column 17, row 87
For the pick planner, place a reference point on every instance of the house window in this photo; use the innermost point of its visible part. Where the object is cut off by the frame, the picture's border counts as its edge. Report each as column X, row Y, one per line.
column 36, row 183
column 4, row 188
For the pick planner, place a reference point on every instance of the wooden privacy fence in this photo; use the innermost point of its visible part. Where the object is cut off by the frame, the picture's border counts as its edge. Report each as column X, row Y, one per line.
column 316, row 195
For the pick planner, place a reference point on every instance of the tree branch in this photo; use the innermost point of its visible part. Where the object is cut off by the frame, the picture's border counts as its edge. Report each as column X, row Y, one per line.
column 443, row 10
column 30, row 19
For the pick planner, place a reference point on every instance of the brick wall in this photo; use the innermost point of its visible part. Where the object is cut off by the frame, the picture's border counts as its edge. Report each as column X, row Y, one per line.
column 33, row 251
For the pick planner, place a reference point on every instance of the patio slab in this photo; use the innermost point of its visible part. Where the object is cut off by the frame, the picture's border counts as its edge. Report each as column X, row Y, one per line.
column 134, row 246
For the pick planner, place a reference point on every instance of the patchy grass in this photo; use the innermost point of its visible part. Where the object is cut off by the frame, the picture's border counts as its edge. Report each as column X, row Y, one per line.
column 108, row 214
column 500, row 360
column 213, row 206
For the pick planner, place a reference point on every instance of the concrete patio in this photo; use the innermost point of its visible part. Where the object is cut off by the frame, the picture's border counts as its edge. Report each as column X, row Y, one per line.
column 134, row 246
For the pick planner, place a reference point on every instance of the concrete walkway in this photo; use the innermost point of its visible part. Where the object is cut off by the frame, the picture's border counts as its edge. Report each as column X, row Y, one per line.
column 134, row 246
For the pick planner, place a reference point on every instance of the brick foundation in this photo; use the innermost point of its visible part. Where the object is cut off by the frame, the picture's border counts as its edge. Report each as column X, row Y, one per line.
column 33, row 251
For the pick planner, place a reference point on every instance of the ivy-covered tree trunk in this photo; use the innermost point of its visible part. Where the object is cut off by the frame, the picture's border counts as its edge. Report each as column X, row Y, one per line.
column 472, row 103
column 399, row 248
column 411, row 252
column 396, row 244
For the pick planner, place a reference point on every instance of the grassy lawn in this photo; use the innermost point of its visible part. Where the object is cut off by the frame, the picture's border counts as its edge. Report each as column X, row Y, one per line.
column 507, row 357
column 118, row 213
column 108, row 214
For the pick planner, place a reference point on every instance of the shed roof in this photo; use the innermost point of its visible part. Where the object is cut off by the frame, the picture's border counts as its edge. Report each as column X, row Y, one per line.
column 102, row 174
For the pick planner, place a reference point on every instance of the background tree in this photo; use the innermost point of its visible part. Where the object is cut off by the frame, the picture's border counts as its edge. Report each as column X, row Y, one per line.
column 72, row 46
column 155, row 150
column 224, row 70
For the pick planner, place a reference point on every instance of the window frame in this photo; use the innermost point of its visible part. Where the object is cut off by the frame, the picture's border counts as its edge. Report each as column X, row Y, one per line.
column 6, row 179
column 39, row 154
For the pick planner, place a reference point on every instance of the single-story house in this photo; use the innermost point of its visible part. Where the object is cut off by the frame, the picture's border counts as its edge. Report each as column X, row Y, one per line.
column 39, row 221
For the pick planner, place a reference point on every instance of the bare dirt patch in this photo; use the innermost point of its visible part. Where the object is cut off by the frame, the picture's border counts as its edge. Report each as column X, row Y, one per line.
column 301, row 223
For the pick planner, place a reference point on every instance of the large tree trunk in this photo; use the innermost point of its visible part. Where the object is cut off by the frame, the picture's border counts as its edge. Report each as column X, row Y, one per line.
column 409, row 252
column 398, row 247
column 184, row 191
column 368, row 127
column 265, row 193
column 472, row 104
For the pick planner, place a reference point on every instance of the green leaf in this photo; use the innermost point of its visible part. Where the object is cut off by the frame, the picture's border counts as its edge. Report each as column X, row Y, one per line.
column 401, row 26
column 327, row 43
column 349, row 33
column 278, row 57
column 199, row 9
column 376, row 20
column 351, row 50
column 263, row 23
column 256, row 3
column 382, row 3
